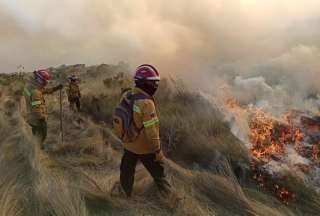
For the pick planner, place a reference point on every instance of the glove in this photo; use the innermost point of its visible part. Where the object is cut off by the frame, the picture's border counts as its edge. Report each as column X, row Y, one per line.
column 159, row 156
column 58, row 87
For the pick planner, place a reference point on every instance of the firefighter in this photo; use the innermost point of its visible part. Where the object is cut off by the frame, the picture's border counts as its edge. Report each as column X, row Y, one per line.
column 145, row 147
column 36, row 107
column 73, row 92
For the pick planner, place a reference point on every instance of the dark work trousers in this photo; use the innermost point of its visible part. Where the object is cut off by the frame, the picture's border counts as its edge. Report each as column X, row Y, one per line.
column 74, row 101
column 40, row 132
column 155, row 168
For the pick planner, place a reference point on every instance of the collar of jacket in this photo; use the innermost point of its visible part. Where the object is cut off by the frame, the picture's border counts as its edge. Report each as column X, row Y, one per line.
column 138, row 90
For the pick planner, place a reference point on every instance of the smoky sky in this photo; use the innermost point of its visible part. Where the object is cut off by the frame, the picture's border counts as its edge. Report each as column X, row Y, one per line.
column 178, row 36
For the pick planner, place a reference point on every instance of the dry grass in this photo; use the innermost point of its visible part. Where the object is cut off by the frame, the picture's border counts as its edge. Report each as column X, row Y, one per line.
column 77, row 176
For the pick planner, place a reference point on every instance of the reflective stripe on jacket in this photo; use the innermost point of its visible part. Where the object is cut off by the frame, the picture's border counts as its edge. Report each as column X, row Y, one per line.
column 145, row 118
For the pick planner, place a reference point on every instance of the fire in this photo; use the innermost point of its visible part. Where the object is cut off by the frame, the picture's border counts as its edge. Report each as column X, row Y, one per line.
column 268, row 138
column 271, row 136
column 263, row 144
column 285, row 195
column 234, row 103
column 266, row 182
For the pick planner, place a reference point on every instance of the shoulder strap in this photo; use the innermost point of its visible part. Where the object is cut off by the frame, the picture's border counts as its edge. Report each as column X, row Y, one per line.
column 139, row 96
column 131, row 97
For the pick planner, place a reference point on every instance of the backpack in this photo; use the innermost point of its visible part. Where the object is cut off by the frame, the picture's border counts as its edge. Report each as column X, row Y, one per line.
column 123, row 125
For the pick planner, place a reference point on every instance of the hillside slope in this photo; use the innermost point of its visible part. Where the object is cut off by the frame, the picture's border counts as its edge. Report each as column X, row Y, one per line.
column 207, row 165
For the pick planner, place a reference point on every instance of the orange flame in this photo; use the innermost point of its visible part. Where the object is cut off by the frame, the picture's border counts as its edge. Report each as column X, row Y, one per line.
column 268, row 138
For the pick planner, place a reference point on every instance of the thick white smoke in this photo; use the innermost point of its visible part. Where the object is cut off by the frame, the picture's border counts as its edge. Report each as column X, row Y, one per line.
column 177, row 35
column 279, row 84
column 267, row 51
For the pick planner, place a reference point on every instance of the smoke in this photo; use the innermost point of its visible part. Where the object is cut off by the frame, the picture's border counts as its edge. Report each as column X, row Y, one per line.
column 288, row 81
column 262, row 49
column 177, row 36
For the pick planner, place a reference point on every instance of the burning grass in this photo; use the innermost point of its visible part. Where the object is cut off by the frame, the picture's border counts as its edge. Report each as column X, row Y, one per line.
column 270, row 141
column 77, row 176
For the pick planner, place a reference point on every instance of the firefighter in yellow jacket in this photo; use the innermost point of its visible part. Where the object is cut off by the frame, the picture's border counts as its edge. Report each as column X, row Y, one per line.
column 73, row 91
column 142, row 140
column 36, row 107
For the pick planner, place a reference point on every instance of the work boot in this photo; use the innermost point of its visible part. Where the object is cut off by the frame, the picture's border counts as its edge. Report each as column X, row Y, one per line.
column 117, row 191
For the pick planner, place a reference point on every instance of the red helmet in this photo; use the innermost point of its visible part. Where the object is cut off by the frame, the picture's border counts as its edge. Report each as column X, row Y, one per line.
column 146, row 72
column 42, row 76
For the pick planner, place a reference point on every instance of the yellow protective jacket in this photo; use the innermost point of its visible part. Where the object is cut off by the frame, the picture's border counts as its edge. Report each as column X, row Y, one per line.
column 73, row 90
column 36, row 108
column 146, row 120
